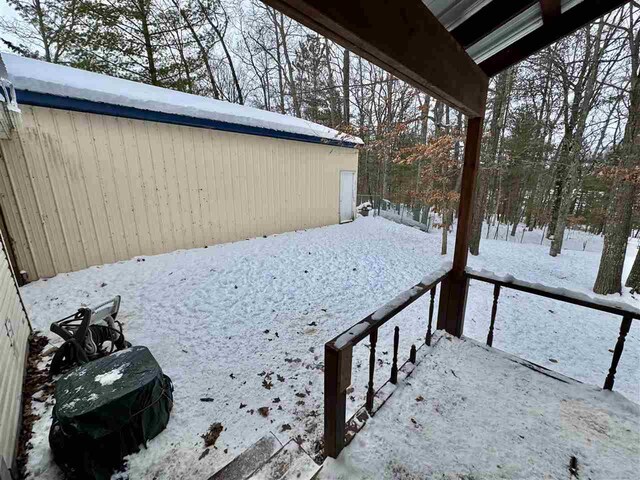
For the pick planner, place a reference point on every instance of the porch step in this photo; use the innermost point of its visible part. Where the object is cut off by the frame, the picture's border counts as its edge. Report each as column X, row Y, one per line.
column 289, row 463
column 241, row 467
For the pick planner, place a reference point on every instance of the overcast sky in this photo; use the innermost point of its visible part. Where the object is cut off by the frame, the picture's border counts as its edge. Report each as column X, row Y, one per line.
column 6, row 12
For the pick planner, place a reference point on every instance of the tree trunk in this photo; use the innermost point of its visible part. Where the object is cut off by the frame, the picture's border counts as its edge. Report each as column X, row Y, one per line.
column 500, row 100
column 283, row 109
column 445, row 233
column 575, row 125
column 201, row 48
column 335, row 109
column 346, row 105
column 609, row 279
column 43, row 30
column 563, row 212
column 480, row 201
column 514, row 227
column 633, row 281
column 558, row 188
column 291, row 80
column 215, row 28
column 148, row 43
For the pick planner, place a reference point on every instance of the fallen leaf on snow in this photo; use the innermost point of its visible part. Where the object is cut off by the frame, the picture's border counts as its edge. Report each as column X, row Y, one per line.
column 212, row 435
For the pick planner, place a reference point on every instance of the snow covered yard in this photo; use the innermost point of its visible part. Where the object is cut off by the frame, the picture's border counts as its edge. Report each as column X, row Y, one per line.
column 468, row 411
column 241, row 326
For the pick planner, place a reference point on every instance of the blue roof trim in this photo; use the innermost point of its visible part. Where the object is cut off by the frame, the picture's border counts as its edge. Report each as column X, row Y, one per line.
column 27, row 97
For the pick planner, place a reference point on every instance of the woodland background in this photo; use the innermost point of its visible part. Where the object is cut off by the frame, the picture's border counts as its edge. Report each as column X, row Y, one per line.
column 561, row 146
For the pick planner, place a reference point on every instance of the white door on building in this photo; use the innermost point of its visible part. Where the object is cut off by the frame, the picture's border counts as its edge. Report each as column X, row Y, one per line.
column 347, row 196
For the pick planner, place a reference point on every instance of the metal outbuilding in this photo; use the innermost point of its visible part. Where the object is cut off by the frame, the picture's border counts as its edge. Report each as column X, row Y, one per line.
column 102, row 169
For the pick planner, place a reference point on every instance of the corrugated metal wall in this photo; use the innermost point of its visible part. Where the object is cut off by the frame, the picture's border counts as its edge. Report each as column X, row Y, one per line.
column 80, row 189
column 14, row 334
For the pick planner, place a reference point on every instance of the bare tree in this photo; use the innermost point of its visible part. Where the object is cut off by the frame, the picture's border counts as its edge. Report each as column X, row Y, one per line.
column 609, row 279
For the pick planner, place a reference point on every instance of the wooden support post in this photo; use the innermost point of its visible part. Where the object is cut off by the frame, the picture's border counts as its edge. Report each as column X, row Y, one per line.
column 617, row 352
column 453, row 292
column 337, row 378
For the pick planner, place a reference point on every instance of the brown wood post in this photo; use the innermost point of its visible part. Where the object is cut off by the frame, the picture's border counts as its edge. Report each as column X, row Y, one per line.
column 453, row 292
column 337, row 378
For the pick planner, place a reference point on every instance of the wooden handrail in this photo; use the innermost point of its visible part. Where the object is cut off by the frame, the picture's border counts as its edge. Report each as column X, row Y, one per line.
column 628, row 313
column 338, row 355
column 338, row 351
column 361, row 330
column 524, row 287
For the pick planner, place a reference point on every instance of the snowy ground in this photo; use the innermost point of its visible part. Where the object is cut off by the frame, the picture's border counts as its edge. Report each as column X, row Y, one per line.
column 245, row 323
column 471, row 412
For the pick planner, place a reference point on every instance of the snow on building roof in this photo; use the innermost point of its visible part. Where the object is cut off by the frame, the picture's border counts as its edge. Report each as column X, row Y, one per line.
column 48, row 84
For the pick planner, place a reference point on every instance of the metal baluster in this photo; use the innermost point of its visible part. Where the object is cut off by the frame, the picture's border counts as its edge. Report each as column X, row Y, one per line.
column 427, row 339
column 412, row 354
column 617, row 352
column 373, row 338
column 494, row 310
column 394, row 365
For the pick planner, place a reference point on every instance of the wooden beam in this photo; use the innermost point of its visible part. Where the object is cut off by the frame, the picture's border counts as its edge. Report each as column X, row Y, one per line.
column 550, row 11
column 488, row 19
column 579, row 16
column 402, row 37
column 453, row 293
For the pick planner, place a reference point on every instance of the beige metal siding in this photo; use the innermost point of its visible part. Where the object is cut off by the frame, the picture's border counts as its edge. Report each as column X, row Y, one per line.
column 82, row 189
column 14, row 333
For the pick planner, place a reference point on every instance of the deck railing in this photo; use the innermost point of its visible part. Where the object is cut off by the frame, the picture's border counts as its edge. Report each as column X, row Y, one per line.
column 338, row 355
column 338, row 351
column 609, row 306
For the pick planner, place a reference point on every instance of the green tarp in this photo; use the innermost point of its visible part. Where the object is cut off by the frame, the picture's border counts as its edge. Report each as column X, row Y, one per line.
column 106, row 409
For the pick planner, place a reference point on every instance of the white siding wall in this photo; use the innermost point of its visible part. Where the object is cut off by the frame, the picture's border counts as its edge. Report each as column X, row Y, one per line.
column 14, row 334
column 80, row 189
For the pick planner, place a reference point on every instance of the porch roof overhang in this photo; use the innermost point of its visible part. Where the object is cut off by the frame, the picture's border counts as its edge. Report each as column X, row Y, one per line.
column 447, row 48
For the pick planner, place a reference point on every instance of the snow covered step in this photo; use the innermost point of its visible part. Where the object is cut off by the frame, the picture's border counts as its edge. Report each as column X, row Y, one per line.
column 290, row 463
column 241, row 467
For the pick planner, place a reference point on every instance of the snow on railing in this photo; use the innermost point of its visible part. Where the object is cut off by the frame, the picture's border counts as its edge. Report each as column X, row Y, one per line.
column 594, row 302
column 338, row 351
column 338, row 354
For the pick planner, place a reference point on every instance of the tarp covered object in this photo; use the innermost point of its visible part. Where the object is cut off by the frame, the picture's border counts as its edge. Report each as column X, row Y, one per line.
column 106, row 409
